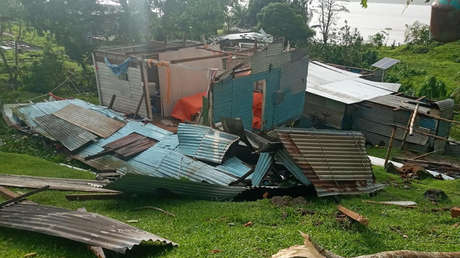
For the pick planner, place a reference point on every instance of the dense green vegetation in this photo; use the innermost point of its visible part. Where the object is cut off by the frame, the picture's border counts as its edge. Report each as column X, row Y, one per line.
column 202, row 226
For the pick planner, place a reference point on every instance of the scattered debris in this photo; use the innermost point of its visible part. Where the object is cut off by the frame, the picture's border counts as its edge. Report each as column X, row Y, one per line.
column 435, row 195
column 353, row 215
column 215, row 251
column 406, row 204
column 91, row 196
column 456, row 225
column 440, row 209
column 132, row 221
column 248, row 224
column 397, row 229
column 304, row 212
column 157, row 209
column 54, row 183
column 455, row 212
column 30, row 254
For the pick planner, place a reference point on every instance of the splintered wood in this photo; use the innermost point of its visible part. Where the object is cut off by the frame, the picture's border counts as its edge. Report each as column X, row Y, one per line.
column 89, row 120
column 353, row 215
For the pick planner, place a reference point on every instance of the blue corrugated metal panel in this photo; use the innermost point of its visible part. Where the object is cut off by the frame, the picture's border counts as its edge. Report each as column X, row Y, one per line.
column 287, row 161
column 148, row 185
column 169, row 142
column 263, row 165
column 30, row 112
column 235, row 166
column 203, row 142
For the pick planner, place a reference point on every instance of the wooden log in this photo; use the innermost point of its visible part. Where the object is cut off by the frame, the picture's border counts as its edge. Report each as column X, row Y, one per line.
column 92, row 196
column 353, row 215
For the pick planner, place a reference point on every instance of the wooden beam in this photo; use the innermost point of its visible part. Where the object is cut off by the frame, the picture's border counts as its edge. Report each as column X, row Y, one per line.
column 390, row 145
column 191, row 59
column 353, row 215
column 146, row 91
column 98, row 82
column 112, row 101
column 455, row 212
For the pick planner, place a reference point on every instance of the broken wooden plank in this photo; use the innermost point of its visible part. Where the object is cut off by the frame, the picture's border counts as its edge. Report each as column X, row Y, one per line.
column 92, row 196
column 455, row 212
column 55, row 183
column 353, row 215
column 406, row 204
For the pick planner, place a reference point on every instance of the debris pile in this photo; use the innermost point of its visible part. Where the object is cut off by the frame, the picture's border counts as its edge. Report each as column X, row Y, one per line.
column 200, row 161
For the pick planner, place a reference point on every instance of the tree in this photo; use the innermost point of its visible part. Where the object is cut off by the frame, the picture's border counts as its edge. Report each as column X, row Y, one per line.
column 280, row 20
column 254, row 7
column 328, row 11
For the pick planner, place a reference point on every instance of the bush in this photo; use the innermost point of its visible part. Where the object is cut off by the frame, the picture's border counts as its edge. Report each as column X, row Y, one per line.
column 418, row 34
column 433, row 89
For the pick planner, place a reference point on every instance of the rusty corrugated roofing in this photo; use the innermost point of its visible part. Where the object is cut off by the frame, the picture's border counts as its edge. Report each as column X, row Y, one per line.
column 90, row 120
column 70, row 135
column 335, row 162
column 204, row 143
column 85, row 227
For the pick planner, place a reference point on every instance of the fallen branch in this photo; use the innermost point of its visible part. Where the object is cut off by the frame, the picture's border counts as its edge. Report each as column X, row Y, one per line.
column 311, row 250
column 155, row 208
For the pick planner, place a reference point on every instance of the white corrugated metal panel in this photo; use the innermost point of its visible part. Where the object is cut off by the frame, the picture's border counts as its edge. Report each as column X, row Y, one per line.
column 129, row 93
column 343, row 86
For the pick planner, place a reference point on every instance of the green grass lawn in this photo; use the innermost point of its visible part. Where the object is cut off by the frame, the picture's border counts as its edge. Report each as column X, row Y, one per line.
column 202, row 226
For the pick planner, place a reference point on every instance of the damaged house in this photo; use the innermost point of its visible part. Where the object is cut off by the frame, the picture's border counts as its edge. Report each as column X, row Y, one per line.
column 340, row 99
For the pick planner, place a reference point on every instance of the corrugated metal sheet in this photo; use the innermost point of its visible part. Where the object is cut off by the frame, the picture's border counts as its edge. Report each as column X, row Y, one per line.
column 235, row 167
column 85, row 227
column 283, row 157
column 335, row 162
column 264, row 163
column 204, row 143
column 130, row 145
column 70, row 135
column 343, row 86
column 29, row 112
column 385, row 63
column 147, row 184
column 92, row 121
column 394, row 101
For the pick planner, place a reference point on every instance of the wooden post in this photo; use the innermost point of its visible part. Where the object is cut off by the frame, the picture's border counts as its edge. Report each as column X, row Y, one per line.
column 390, row 145
column 148, row 106
column 98, row 83
column 112, row 101
column 410, row 126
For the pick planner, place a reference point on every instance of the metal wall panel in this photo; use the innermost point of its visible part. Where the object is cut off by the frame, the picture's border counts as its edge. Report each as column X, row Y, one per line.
column 129, row 93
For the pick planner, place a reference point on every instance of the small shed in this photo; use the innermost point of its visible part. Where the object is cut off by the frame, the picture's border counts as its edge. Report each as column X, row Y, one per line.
column 376, row 117
column 331, row 92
